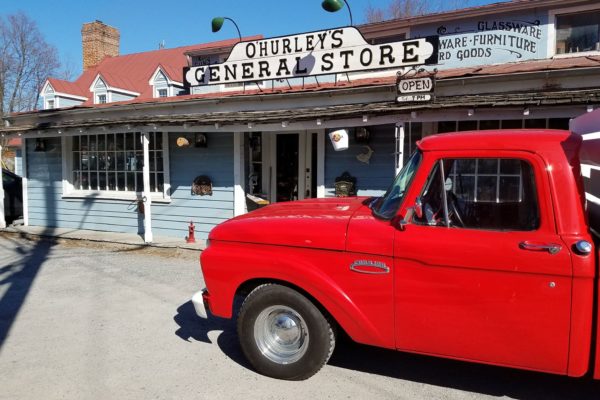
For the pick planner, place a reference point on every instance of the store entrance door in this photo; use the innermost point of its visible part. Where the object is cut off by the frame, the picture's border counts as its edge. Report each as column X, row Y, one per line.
column 286, row 167
column 292, row 171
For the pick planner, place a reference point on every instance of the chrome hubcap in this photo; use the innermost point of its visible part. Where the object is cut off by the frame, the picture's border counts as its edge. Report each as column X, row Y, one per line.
column 281, row 334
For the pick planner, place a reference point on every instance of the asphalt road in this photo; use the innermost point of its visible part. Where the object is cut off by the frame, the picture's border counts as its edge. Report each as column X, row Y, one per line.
column 116, row 323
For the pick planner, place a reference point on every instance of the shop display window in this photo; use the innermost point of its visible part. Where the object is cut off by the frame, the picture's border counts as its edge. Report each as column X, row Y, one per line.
column 114, row 161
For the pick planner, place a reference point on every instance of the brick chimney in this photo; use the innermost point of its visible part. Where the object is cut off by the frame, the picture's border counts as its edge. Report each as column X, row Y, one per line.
column 99, row 40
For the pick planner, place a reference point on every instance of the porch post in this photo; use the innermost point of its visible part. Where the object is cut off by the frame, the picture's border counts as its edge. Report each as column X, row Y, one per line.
column 147, row 194
column 2, row 216
column 321, row 164
column 25, row 174
column 399, row 153
column 239, row 198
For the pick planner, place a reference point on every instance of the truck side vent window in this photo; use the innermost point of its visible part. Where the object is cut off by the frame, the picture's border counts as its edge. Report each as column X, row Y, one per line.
column 482, row 193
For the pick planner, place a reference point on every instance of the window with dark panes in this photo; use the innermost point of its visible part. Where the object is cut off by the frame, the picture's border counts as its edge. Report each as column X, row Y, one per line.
column 114, row 162
column 481, row 193
column 577, row 33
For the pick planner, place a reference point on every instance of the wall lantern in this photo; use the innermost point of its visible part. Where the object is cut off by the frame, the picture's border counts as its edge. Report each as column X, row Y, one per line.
column 336, row 5
column 201, row 140
column 217, row 23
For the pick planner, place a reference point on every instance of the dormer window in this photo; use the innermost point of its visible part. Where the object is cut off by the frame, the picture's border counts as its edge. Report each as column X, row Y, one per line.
column 50, row 104
column 101, row 99
column 162, row 93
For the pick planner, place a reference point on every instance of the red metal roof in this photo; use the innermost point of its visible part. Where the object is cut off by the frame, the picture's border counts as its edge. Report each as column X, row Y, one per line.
column 132, row 72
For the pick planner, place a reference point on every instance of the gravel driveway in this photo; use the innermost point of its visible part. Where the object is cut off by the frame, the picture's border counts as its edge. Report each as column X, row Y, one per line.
column 89, row 322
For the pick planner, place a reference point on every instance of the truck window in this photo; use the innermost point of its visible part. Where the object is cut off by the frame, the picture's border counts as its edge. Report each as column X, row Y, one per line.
column 481, row 193
column 386, row 206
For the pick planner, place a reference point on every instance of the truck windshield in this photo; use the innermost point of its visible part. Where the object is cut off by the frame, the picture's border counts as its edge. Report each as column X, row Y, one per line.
column 386, row 206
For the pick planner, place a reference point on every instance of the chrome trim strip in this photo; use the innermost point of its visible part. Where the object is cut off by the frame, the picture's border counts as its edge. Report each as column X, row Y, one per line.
column 383, row 268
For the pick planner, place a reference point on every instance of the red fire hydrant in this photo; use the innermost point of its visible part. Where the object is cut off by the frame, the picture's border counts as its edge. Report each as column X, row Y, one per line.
column 191, row 238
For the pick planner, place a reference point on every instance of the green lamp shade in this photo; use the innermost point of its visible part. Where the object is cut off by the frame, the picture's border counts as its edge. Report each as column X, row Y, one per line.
column 217, row 23
column 330, row 5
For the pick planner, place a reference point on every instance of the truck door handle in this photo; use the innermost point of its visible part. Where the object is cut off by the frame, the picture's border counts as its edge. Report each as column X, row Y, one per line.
column 551, row 248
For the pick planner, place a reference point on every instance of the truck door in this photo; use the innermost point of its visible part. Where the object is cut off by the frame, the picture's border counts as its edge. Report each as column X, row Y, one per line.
column 480, row 273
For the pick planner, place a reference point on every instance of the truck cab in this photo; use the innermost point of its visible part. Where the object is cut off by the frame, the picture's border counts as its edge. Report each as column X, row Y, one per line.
column 480, row 250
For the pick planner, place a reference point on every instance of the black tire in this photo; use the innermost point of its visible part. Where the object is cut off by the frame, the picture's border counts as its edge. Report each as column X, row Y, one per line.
column 283, row 334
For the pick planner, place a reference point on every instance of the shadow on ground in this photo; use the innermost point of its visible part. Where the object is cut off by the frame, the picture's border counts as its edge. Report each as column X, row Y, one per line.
column 191, row 327
column 18, row 279
column 469, row 377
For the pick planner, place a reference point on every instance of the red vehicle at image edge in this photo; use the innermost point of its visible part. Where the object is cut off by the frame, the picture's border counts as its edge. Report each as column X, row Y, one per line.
column 481, row 250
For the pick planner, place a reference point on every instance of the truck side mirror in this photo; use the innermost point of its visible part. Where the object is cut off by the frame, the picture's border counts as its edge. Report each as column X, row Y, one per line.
column 418, row 208
column 407, row 218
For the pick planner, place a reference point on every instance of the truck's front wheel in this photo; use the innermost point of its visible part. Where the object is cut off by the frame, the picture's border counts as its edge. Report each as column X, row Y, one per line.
column 283, row 334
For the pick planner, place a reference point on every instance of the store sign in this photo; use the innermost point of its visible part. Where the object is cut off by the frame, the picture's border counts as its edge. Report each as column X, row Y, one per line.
column 415, row 85
column 413, row 97
column 413, row 89
column 317, row 53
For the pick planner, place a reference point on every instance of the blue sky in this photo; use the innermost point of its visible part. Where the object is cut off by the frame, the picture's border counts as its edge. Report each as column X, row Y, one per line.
column 145, row 23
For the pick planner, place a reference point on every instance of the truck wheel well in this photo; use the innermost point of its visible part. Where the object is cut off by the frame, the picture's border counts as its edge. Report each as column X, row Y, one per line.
column 245, row 288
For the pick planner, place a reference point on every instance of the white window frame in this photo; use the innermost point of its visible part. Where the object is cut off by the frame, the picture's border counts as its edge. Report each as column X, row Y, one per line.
column 54, row 102
column 497, row 174
column 70, row 192
column 552, row 14
column 158, row 92
column 99, row 95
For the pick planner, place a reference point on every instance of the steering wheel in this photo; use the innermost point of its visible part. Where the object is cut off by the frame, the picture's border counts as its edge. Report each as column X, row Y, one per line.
column 454, row 213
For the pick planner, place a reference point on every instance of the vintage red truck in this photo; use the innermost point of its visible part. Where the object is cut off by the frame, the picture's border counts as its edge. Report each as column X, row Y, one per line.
column 480, row 250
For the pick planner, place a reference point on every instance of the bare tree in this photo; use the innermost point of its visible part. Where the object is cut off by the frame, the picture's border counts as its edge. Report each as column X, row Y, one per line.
column 408, row 8
column 373, row 14
column 26, row 61
column 397, row 9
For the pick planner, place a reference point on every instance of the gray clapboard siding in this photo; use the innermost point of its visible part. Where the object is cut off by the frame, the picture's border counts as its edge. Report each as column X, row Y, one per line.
column 47, row 207
column 186, row 163
column 372, row 179
column 64, row 102
column 120, row 97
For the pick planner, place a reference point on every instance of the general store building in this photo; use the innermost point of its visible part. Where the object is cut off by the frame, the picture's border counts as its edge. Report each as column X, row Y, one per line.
column 120, row 148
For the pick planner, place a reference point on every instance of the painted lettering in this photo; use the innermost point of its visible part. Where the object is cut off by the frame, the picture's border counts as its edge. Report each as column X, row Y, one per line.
column 286, row 45
column 386, row 52
column 310, row 42
column 345, row 55
column 263, row 71
column 336, row 36
column 250, row 50
column 214, row 74
column 327, row 62
column 283, row 67
column 247, row 71
column 409, row 51
column 230, row 72
column 366, row 57
column 297, row 70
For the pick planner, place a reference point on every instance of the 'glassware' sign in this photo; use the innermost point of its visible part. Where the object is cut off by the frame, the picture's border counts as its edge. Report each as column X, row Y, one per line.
column 317, row 53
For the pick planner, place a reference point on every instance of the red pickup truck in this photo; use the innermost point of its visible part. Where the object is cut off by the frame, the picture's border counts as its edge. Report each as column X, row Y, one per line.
column 480, row 250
